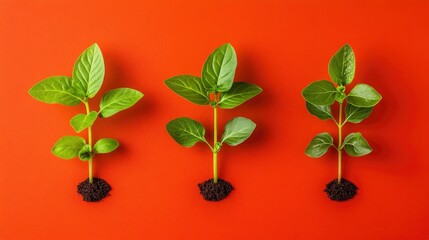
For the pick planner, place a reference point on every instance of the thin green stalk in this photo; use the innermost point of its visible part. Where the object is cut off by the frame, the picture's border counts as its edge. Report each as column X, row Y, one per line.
column 90, row 146
column 215, row 150
column 340, row 141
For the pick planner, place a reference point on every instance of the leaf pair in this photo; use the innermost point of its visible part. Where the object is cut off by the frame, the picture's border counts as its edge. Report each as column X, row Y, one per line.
column 217, row 76
column 354, row 144
column 187, row 132
column 86, row 81
column 324, row 93
column 69, row 147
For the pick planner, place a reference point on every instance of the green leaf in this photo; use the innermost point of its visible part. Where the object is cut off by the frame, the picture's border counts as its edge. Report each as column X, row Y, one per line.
column 342, row 66
column 320, row 111
column 319, row 145
column 356, row 114
column 238, row 94
column 68, row 147
column 186, row 131
column 88, row 71
column 189, row 87
column 82, row 121
column 219, row 69
column 363, row 95
column 237, row 131
column 355, row 145
column 56, row 89
column 85, row 153
column 117, row 100
column 105, row 145
column 320, row 93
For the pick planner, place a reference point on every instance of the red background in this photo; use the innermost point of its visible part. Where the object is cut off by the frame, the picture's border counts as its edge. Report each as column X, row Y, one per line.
column 281, row 46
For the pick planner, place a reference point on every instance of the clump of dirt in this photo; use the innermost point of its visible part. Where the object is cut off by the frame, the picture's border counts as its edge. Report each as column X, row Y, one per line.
column 95, row 191
column 342, row 191
column 215, row 191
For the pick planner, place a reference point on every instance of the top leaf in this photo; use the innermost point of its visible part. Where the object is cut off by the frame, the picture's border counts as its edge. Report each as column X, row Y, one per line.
column 56, row 89
column 219, row 69
column 88, row 71
column 321, row 92
column 239, row 93
column 189, row 87
column 342, row 66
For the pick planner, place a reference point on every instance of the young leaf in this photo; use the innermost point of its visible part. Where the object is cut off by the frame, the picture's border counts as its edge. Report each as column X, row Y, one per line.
column 342, row 66
column 105, row 145
column 88, row 71
column 238, row 94
column 363, row 95
column 82, row 121
column 356, row 114
column 355, row 145
column 320, row 93
column 117, row 100
column 186, row 131
column 320, row 111
column 219, row 69
column 85, row 153
column 68, row 147
column 189, row 87
column 237, row 131
column 319, row 145
column 56, row 89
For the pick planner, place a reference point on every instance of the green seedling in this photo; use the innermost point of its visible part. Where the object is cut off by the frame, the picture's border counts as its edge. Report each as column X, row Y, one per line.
column 217, row 89
column 86, row 81
column 359, row 103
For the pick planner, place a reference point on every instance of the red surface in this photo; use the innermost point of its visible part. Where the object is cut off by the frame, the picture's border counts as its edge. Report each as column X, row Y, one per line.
column 281, row 46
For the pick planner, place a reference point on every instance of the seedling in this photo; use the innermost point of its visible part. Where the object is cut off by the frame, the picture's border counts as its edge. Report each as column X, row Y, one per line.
column 86, row 81
column 216, row 89
column 359, row 103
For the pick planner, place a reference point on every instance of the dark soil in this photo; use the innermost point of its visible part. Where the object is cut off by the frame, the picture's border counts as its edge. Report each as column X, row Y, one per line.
column 95, row 191
column 215, row 191
column 342, row 191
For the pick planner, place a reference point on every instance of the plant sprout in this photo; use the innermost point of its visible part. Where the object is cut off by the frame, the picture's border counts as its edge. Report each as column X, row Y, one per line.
column 216, row 89
column 359, row 103
column 86, row 81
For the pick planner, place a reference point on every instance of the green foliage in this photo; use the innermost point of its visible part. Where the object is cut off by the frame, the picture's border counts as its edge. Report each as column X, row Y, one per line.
column 83, row 121
column 356, row 145
column 56, row 89
column 88, row 72
column 237, row 131
column 219, row 69
column 342, row 66
column 186, row 131
column 319, row 145
column 320, row 111
column 321, row 95
column 216, row 88
column 86, row 81
column 189, row 87
column 68, row 147
column 85, row 153
column 363, row 95
column 117, row 100
column 357, row 114
column 105, row 145
column 239, row 93
column 320, row 92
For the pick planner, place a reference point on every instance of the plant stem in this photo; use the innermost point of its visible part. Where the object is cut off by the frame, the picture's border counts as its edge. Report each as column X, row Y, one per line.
column 215, row 150
column 90, row 146
column 340, row 140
